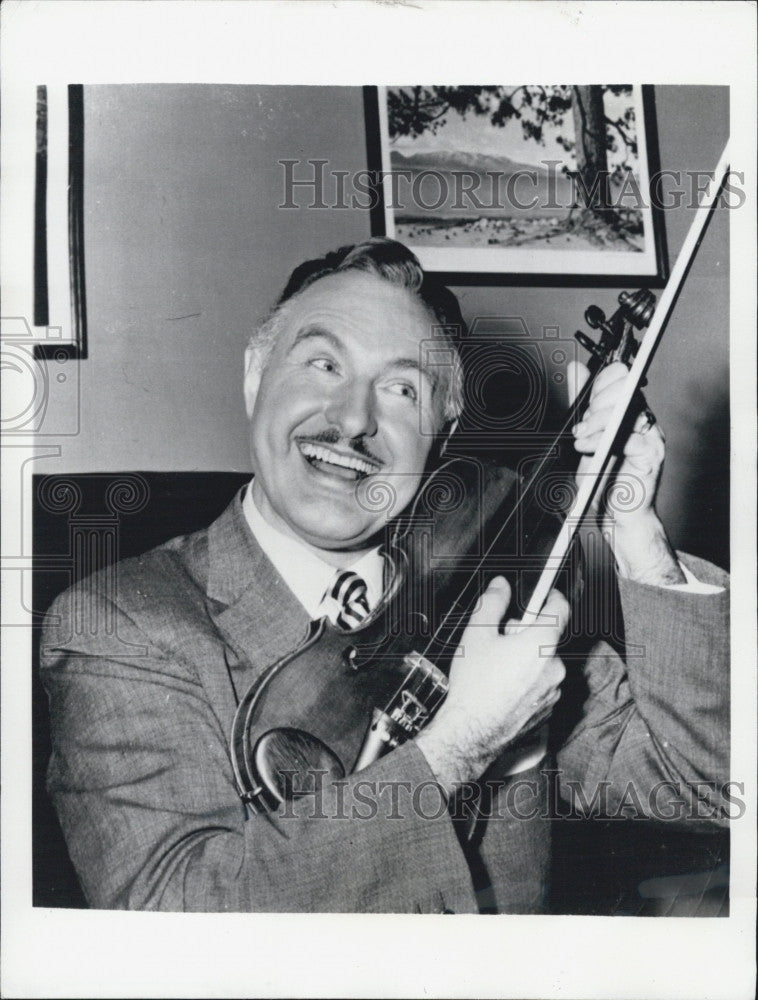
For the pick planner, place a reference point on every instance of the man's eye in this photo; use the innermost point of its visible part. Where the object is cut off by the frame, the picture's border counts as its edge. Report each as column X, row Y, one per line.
column 323, row 364
column 404, row 389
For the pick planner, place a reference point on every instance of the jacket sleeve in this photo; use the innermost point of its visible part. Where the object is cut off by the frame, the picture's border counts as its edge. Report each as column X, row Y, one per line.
column 142, row 781
column 653, row 737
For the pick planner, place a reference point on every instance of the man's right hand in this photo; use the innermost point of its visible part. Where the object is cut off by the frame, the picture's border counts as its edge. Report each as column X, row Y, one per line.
column 500, row 687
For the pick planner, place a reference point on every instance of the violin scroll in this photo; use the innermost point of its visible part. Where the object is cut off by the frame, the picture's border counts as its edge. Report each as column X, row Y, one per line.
column 638, row 307
column 617, row 341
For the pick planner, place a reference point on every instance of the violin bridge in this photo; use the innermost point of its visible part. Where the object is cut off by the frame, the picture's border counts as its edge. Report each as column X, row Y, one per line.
column 419, row 665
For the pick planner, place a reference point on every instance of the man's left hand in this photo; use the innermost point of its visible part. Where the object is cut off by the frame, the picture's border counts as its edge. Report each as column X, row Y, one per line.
column 638, row 539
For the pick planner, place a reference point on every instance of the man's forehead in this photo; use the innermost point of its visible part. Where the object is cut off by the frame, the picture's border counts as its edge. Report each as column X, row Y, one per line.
column 358, row 293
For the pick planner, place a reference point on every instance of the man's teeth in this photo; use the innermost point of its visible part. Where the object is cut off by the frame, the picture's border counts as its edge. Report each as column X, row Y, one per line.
column 330, row 457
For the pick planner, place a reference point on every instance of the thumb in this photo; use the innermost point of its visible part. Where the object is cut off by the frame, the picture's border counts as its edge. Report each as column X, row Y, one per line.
column 577, row 375
column 493, row 604
column 556, row 608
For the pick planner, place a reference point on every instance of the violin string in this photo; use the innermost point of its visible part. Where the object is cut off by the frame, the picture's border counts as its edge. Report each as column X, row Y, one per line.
column 551, row 454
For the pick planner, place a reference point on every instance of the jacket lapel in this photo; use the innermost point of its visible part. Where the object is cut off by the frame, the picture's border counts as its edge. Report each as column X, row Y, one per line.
column 253, row 609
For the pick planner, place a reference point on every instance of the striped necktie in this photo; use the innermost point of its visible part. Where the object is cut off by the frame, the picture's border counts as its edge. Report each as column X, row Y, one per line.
column 348, row 592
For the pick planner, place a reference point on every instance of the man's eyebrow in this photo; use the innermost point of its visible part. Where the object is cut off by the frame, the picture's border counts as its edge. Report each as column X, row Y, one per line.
column 309, row 332
column 314, row 331
column 415, row 365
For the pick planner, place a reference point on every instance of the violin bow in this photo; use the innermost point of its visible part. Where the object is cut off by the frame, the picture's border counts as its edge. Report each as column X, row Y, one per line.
column 602, row 459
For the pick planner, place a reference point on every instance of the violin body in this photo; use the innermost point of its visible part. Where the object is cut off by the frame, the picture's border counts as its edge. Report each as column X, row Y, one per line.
column 314, row 709
column 312, row 692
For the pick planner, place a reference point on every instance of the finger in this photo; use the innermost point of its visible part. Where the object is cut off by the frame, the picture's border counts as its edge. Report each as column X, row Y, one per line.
column 608, row 376
column 646, row 422
column 644, row 461
column 604, row 402
column 594, row 421
column 643, row 465
column 554, row 615
column 513, row 626
column 588, row 445
column 577, row 375
column 555, row 673
column 651, row 443
column 552, row 677
column 608, row 395
column 492, row 604
column 555, row 611
column 597, row 419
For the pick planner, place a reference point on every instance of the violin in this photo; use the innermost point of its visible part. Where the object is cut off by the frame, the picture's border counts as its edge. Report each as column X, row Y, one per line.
column 342, row 699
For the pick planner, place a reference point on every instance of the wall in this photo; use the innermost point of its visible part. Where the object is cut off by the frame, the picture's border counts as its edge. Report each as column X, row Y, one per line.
column 186, row 247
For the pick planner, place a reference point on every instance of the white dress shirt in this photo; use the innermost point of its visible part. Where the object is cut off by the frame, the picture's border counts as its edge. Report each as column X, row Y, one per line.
column 307, row 575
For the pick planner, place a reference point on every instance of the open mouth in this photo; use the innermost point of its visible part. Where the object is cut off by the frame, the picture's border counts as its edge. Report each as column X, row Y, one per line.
column 334, row 463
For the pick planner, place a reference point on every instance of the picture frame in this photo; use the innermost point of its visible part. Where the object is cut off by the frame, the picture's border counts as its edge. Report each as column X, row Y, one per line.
column 487, row 185
column 58, row 281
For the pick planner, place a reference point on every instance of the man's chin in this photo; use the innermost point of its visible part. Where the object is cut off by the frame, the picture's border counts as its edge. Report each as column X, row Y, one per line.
column 333, row 530
column 340, row 538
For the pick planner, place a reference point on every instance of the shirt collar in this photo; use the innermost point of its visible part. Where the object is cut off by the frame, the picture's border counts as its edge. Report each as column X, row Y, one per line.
column 302, row 570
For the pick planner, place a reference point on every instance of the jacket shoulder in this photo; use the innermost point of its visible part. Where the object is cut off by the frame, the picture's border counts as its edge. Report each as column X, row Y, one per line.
column 147, row 596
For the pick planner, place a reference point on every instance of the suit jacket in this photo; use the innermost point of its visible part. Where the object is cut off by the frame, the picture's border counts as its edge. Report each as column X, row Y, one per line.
column 144, row 675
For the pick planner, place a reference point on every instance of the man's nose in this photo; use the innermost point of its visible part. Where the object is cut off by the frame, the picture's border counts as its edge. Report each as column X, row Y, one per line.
column 352, row 410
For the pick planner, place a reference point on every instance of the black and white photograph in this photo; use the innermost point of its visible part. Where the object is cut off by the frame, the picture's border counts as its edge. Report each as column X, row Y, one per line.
column 378, row 501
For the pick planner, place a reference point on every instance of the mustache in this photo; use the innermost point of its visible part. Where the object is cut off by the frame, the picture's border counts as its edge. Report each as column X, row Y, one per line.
column 332, row 436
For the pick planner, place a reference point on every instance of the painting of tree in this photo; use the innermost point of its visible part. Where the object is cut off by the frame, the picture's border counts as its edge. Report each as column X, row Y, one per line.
column 540, row 167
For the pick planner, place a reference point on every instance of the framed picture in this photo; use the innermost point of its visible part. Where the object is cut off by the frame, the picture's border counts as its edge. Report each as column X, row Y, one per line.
column 48, row 292
column 526, row 184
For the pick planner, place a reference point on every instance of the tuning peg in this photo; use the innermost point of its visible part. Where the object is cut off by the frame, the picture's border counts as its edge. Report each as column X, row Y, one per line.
column 594, row 317
column 589, row 344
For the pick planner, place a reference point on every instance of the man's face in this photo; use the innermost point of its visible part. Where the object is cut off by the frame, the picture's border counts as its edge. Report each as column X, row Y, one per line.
column 340, row 407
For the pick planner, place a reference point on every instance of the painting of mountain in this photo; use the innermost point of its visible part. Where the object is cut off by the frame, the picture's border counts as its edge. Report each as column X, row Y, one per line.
column 545, row 169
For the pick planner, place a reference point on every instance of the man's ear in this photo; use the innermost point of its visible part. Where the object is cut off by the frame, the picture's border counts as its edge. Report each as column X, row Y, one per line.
column 253, row 373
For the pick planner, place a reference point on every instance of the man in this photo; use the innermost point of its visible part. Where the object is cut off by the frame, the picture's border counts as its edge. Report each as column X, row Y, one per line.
column 339, row 398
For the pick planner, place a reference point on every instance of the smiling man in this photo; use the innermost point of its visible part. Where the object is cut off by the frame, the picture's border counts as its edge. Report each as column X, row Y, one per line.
column 340, row 400
column 338, row 396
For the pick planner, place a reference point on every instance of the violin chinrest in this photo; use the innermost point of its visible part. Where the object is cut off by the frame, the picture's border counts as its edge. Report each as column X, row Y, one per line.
column 288, row 761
